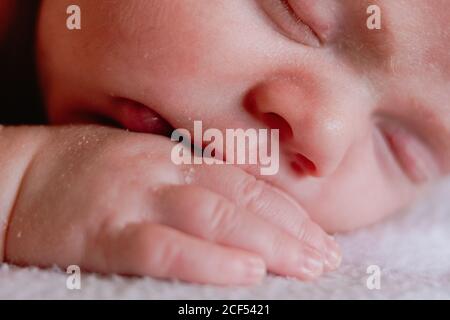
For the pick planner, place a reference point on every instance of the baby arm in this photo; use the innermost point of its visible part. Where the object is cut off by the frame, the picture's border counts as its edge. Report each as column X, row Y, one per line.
column 112, row 201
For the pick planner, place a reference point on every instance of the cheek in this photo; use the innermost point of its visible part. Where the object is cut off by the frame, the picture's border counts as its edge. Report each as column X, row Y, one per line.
column 191, row 64
column 131, row 49
column 160, row 39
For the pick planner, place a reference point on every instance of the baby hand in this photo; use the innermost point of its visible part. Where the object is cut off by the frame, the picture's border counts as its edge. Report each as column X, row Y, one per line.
column 113, row 202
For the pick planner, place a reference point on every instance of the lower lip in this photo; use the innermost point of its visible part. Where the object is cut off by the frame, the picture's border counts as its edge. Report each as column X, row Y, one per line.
column 137, row 117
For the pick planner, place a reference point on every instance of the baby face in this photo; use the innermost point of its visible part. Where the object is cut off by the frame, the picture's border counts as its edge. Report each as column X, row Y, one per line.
column 363, row 114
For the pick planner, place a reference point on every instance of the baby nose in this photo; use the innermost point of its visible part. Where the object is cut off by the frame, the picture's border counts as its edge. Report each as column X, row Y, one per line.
column 316, row 135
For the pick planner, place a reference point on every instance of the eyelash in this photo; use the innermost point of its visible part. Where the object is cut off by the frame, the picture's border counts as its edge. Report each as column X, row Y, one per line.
column 290, row 24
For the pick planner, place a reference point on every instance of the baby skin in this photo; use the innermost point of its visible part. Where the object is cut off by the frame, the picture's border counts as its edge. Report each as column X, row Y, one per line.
column 363, row 119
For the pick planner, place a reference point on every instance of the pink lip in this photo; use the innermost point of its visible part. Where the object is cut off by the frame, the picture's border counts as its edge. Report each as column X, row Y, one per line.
column 137, row 117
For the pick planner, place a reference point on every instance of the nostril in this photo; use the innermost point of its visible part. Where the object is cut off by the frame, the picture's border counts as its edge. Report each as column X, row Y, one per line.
column 275, row 121
column 302, row 165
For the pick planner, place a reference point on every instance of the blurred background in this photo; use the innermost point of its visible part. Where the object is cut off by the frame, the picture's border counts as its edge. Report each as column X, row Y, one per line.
column 19, row 94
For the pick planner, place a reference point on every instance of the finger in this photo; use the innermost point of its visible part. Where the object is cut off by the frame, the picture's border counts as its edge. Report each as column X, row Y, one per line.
column 159, row 251
column 275, row 206
column 210, row 216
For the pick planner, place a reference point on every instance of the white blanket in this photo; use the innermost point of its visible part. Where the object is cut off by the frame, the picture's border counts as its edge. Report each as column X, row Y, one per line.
column 412, row 251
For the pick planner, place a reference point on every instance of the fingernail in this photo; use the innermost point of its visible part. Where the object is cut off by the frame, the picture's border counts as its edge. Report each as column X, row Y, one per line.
column 255, row 270
column 334, row 256
column 312, row 265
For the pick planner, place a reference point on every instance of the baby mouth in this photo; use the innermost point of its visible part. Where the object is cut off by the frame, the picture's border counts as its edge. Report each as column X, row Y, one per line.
column 137, row 117
column 140, row 118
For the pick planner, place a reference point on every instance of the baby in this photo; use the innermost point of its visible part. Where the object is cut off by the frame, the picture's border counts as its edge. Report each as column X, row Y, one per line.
column 362, row 115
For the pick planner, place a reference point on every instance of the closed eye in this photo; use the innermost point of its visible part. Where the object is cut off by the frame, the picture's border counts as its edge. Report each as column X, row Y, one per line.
column 289, row 23
column 413, row 157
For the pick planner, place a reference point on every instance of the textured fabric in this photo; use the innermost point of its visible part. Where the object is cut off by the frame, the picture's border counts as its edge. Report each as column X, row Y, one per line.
column 411, row 249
